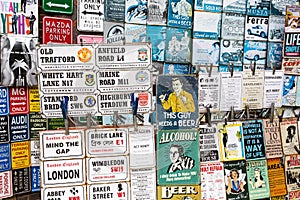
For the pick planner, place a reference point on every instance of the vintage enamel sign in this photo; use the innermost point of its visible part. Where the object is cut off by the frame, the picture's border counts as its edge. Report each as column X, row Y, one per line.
column 118, row 191
column 58, row 145
column 107, row 169
column 70, row 81
column 79, row 104
column 58, row 173
column 121, row 102
column 127, row 56
column 66, row 57
column 57, row 30
column 121, row 80
column 101, row 142
column 90, row 15
column 64, row 193
column 19, row 102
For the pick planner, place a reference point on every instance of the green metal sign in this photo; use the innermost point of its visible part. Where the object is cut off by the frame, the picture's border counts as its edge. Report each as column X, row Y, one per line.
column 58, row 6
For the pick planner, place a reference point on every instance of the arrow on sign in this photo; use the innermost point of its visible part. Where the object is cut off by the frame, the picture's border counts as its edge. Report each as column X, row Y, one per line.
column 33, row 129
column 4, row 160
column 21, row 103
column 92, row 13
column 16, row 157
column 3, row 131
column 23, row 131
column 2, row 105
column 34, row 100
column 50, row 4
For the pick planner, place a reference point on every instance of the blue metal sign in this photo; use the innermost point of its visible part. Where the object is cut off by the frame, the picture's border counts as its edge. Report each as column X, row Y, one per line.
column 4, row 133
column 4, row 101
column 35, row 178
column 5, row 162
column 19, row 128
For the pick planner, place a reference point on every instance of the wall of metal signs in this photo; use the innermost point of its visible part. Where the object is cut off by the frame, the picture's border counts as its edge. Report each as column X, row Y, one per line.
column 149, row 99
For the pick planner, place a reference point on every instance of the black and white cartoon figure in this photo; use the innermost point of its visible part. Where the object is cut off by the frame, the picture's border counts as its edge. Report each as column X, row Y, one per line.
column 291, row 131
column 178, row 159
column 18, row 66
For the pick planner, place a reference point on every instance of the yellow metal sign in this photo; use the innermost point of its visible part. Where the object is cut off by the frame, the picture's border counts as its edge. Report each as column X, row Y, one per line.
column 20, row 154
column 182, row 192
column 34, row 99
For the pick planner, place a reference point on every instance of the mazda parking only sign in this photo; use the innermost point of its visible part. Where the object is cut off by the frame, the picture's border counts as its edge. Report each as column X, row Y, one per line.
column 58, row 173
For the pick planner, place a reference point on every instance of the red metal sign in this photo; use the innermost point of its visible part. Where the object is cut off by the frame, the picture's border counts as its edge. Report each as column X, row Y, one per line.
column 57, row 30
column 19, row 101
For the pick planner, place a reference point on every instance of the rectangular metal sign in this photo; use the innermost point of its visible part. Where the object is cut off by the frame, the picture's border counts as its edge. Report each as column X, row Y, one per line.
column 19, row 127
column 57, row 30
column 4, row 133
column 5, row 160
column 19, row 102
column 6, row 183
column 34, row 101
column 21, row 180
column 35, row 179
column 37, row 123
column 57, row 145
column 123, row 80
column 121, row 102
column 64, row 193
column 56, row 173
column 79, row 104
column 68, row 57
column 20, row 154
column 90, row 15
column 127, row 56
column 4, row 101
column 70, row 81
column 90, row 39
column 118, row 191
column 58, row 6
column 107, row 169
column 35, row 152
column 108, row 141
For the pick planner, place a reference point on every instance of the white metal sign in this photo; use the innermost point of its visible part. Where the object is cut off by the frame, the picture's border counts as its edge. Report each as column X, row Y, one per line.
column 58, row 145
column 66, row 57
column 101, row 142
column 143, row 183
column 35, row 152
column 6, row 184
column 107, row 169
column 126, row 56
column 71, row 81
column 90, row 15
column 79, row 104
column 119, row 81
column 109, row 191
column 58, row 173
column 108, row 103
column 64, row 193
column 142, row 146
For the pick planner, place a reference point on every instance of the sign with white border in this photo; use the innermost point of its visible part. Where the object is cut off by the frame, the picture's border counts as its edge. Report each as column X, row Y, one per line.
column 56, row 173
column 64, row 193
column 57, row 145
column 118, row 191
column 107, row 169
column 108, row 141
